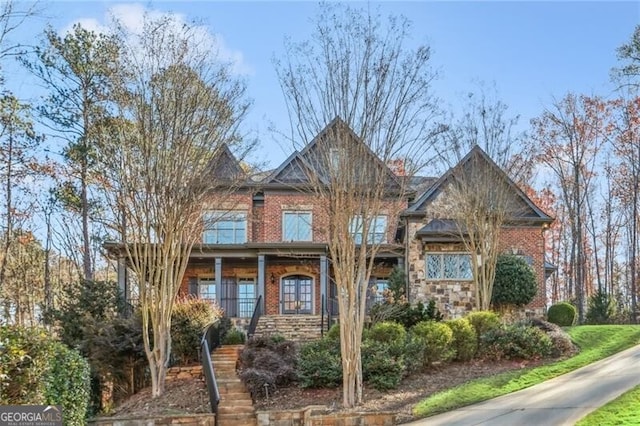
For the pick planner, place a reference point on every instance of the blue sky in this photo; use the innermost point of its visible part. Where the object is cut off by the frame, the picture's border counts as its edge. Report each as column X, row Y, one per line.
column 533, row 51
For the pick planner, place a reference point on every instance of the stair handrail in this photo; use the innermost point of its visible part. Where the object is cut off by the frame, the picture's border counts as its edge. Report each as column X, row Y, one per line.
column 210, row 341
column 257, row 313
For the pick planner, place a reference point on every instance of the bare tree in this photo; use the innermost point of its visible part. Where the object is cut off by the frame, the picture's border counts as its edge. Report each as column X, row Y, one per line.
column 357, row 67
column 569, row 136
column 178, row 109
column 480, row 187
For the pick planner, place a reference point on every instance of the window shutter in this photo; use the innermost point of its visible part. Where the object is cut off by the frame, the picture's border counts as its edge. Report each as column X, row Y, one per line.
column 193, row 286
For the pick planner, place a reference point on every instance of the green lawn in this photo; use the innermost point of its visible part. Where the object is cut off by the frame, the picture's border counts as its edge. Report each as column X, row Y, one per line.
column 624, row 410
column 595, row 341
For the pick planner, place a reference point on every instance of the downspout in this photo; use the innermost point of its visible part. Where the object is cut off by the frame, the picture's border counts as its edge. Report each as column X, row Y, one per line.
column 406, row 259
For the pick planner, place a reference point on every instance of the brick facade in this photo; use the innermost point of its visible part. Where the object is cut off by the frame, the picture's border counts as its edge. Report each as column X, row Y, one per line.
column 265, row 204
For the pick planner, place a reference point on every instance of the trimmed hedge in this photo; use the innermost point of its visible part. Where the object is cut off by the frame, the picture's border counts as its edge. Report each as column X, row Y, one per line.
column 515, row 282
column 516, row 342
column 563, row 314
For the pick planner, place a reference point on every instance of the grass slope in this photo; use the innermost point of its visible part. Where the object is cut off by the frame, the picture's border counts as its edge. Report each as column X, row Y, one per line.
column 624, row 410
column 595, row 341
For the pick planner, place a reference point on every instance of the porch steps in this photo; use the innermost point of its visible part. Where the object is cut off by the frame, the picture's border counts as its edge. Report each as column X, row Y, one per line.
column 235, row 407
column 292, row 327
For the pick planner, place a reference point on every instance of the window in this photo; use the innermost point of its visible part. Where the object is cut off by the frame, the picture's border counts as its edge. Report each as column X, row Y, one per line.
column 449, row 266
column 296, row 226
column 225, row 227
column 246, row 297
column 377, row 230
column 207, row 288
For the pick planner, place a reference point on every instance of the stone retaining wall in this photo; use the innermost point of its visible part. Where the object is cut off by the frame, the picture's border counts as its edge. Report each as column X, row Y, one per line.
column 183, row 420
column 189, row 372
column 321, row 416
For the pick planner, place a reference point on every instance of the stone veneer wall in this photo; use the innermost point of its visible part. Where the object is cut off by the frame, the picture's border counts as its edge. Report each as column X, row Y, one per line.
column 188, row 372
column 183, row 420
column 321, row 416
column 456, row 298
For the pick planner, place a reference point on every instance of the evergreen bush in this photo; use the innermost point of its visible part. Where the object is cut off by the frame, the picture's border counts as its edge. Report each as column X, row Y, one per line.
column 319, row 364
column 436, row 338
column 482, row 322
column 601, row 309
column 35, row 369
column 465, row 340
column 515, row 341
column 515, row 282
column 563, row 314
column 382, row 364
column 387, row 332
column 234, row 337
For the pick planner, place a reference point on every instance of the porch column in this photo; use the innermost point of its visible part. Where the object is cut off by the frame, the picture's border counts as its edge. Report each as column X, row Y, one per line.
column 324, row 269
column 261, row 288
column 218, row 272
column 123, row 282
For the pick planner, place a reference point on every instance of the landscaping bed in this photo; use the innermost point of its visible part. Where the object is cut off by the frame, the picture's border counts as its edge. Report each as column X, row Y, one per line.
column 189, row 396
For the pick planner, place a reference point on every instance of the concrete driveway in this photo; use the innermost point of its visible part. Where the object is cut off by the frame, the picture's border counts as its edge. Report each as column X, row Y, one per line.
column 560, row 401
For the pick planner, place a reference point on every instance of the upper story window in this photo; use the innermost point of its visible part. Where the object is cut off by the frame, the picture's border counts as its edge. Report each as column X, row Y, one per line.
column 449, row 266
column 377, row 230
column 223, row 227
column 296, row 226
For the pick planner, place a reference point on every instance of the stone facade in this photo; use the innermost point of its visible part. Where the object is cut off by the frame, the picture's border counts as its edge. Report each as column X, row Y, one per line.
column 456, row 298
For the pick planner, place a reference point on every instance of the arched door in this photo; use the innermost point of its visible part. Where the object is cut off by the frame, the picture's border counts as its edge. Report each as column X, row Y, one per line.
column 297, row 294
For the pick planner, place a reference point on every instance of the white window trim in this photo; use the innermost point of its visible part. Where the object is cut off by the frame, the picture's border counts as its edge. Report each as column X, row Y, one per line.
column 441, row 277
column 284, row 212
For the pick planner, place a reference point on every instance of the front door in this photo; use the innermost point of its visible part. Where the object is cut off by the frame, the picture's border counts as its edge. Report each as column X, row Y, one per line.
column 297, row 291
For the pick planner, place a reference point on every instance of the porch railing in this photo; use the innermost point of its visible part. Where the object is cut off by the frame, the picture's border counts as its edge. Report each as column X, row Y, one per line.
column 210, row 341
column 257, row 313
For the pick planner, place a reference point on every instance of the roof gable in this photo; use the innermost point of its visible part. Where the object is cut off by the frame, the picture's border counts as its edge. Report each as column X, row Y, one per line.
column 526, row 209
column 225, row 166
column 312, row 161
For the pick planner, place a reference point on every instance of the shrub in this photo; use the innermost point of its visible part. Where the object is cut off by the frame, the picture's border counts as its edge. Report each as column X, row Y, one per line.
column 436, row 338
column 515, row 342
column 234, row 337
column 404, row 313
column 602, row 308
column 319, row 364
column 67, row 383
column 560, row 340
column 563, row 314
column 258, row 381
column 189, row 319
column 35, row 370
column 382, row 364
column 267, row 360
column 387, row 332
column 333, row 333
column 483, row 321
column 465, row 340
column 514, row 283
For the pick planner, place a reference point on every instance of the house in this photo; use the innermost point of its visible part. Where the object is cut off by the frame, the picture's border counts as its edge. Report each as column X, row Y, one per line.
column 267, row 247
